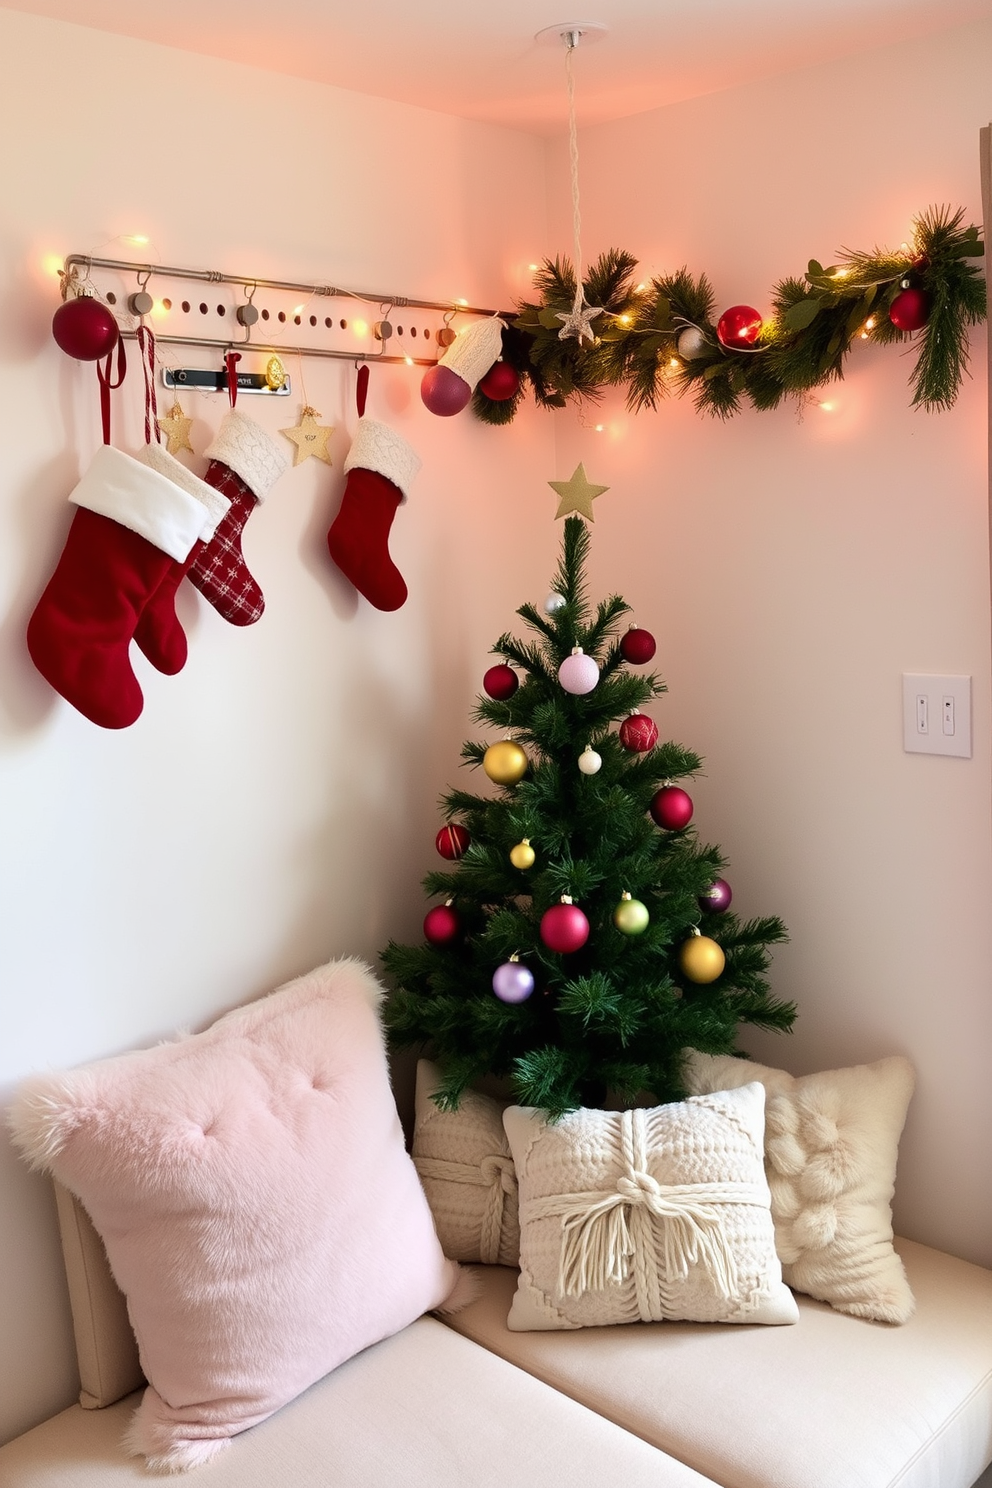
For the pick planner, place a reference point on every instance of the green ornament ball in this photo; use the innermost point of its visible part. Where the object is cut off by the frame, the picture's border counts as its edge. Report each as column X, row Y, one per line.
column 631, row 916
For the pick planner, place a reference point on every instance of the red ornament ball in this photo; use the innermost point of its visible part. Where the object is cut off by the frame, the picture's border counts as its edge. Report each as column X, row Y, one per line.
column 452, row 841
column 717, row 897
column 637, row 646
column 671, row 808
column 910, row 310
column 441, row 924
column 444, row 392
column 638, row 733
column 501, row 382
column 564, row 928
column 500, row 682
column 739, row 326
column 84, row 328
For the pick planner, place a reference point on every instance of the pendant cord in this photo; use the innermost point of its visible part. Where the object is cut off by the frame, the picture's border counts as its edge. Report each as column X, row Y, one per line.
column 571, row 39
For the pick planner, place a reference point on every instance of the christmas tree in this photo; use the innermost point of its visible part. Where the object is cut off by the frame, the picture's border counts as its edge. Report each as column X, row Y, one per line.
column 584, row 940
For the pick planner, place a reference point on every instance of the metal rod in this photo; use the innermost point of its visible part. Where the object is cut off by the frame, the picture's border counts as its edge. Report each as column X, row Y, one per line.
column 287, row 351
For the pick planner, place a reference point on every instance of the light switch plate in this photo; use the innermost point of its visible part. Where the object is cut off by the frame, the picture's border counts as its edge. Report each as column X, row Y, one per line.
column 936, row 714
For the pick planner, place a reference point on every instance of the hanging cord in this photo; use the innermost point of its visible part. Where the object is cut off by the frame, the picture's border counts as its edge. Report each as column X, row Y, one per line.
column 145, row 338
column 231, row 360
column 571, row 40
column 107, row 385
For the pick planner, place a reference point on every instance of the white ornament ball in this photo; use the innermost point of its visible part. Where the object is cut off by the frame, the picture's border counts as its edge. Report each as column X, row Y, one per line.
column 590, row 763
column 578, row 673
column 692, row 344
column 554, row 603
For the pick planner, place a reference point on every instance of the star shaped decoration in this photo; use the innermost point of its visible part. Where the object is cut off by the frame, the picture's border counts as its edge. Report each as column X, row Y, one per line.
column 576, row 322
column 176, row 426
column 309, row 437
column 577, row 494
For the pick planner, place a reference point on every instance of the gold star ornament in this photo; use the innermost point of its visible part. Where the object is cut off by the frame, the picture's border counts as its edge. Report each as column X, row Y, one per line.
column 309, row 437
column 176, row 426
column 577, row 494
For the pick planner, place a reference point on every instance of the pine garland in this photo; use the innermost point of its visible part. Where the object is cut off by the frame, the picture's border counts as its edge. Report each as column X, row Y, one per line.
column 817, row 320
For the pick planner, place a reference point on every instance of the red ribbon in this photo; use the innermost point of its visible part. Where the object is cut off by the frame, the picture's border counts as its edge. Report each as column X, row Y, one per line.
column 362, row 388
column 104, row 374
column 231, row 360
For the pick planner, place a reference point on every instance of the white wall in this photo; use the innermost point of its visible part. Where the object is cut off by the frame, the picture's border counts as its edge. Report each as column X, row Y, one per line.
column 276, row 802
column 793, row 569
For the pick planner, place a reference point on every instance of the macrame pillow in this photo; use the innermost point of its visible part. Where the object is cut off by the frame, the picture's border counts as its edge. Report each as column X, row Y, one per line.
column 258, row 1207
column 465, row 1166
column 831, row 1145
column 645, row 1215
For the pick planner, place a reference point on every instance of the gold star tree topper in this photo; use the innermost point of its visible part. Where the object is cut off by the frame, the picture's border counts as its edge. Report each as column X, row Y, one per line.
column 577, row 494
column 176, row 426
column 310, row 437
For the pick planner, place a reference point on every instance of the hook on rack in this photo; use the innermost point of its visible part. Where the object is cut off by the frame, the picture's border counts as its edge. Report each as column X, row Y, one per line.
column 247, row 315
column 383, row 329
column 141, row 303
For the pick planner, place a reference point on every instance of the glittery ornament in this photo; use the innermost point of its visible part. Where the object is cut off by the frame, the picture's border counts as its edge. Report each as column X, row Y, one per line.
column 578, row 673
column 554, row 603
column 692, row 344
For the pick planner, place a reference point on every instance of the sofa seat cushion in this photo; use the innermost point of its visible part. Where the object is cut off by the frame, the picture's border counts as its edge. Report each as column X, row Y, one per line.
column 425, row 1409
column 834, row 1402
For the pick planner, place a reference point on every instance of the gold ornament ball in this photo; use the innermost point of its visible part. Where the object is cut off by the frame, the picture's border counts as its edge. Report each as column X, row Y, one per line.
column 522, row 856
column 631, row 916
column 701, row 959
column 505, row 762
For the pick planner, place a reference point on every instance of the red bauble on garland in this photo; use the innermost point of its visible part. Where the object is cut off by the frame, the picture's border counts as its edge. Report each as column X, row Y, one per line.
column 564, row 928
column 637, row 646
column 501, row 382
column 84, row 328
column 500, row 682
column 441, row 924
column 910, row 310
column 638, row 733
column 739, row 326
column 452, row 841
column 671, row 808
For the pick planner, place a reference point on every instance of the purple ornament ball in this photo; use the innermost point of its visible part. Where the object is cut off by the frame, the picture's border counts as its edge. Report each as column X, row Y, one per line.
column 717, row 897
column 444, row 392
column 512, row 982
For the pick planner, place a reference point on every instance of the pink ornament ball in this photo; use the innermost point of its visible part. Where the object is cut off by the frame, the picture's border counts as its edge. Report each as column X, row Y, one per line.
column 564, row 928
column 500, row 682
column 452, row 841
column 578, row 673
column 637, row 646
column 85, row 329
column 671, row 808
column 638, row 733
column 717, row 898
column 739, row 326
column 441, row 924
column 910, row 310
column 501, row 382
column 512, row 982
column 444, row 392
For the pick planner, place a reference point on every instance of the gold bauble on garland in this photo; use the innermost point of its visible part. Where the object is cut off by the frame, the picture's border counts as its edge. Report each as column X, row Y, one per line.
column 701, row 958
column 505, row 762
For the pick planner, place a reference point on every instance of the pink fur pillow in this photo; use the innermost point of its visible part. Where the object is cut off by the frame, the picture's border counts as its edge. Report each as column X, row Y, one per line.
column 258, row 1207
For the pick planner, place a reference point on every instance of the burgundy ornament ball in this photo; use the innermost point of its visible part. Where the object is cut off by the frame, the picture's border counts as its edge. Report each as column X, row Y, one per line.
column 910, row 310
column 671, row 808
column 512, row 982
column 739, row 326
column 452, row 841
column 637, row 646
column 441, row 924
column 500, row 682
column 578, row 673
column 717, row 897
column 638, row 733
column 444, row 392
column 501, row 382
column 564, row 928
column 84, row 328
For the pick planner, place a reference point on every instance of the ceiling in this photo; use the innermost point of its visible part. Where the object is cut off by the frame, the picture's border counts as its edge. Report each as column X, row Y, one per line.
column 480, row 60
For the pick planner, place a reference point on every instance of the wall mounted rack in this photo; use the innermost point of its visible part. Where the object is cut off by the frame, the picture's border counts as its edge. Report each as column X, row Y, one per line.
column 294, row 318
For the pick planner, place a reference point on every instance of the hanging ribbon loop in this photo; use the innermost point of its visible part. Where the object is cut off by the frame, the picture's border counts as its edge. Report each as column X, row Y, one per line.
column 107, row 384
column 231, row 360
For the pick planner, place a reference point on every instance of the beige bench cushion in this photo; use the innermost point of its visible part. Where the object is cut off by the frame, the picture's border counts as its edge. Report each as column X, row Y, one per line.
column 835, row 1402
column 423, row 1409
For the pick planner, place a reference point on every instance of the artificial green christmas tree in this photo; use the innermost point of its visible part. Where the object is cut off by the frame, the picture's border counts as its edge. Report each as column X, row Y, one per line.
column 584, row 938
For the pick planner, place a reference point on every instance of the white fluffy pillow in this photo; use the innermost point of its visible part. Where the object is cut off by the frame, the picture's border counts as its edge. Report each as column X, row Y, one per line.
column 647, row 1214
column 831, row 1145
column 466, row 1168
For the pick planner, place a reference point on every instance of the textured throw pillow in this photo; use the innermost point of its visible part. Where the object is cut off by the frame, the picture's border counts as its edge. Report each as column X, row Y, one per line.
column 465, row 1165
column 831, row 1144
column 642, row 1215
column 258, row 1207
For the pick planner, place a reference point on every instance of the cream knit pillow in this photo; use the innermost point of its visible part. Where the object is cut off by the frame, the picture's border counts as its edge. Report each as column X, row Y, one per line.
column 465, row 1166
column 644, row 1215
column 831, row 1145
